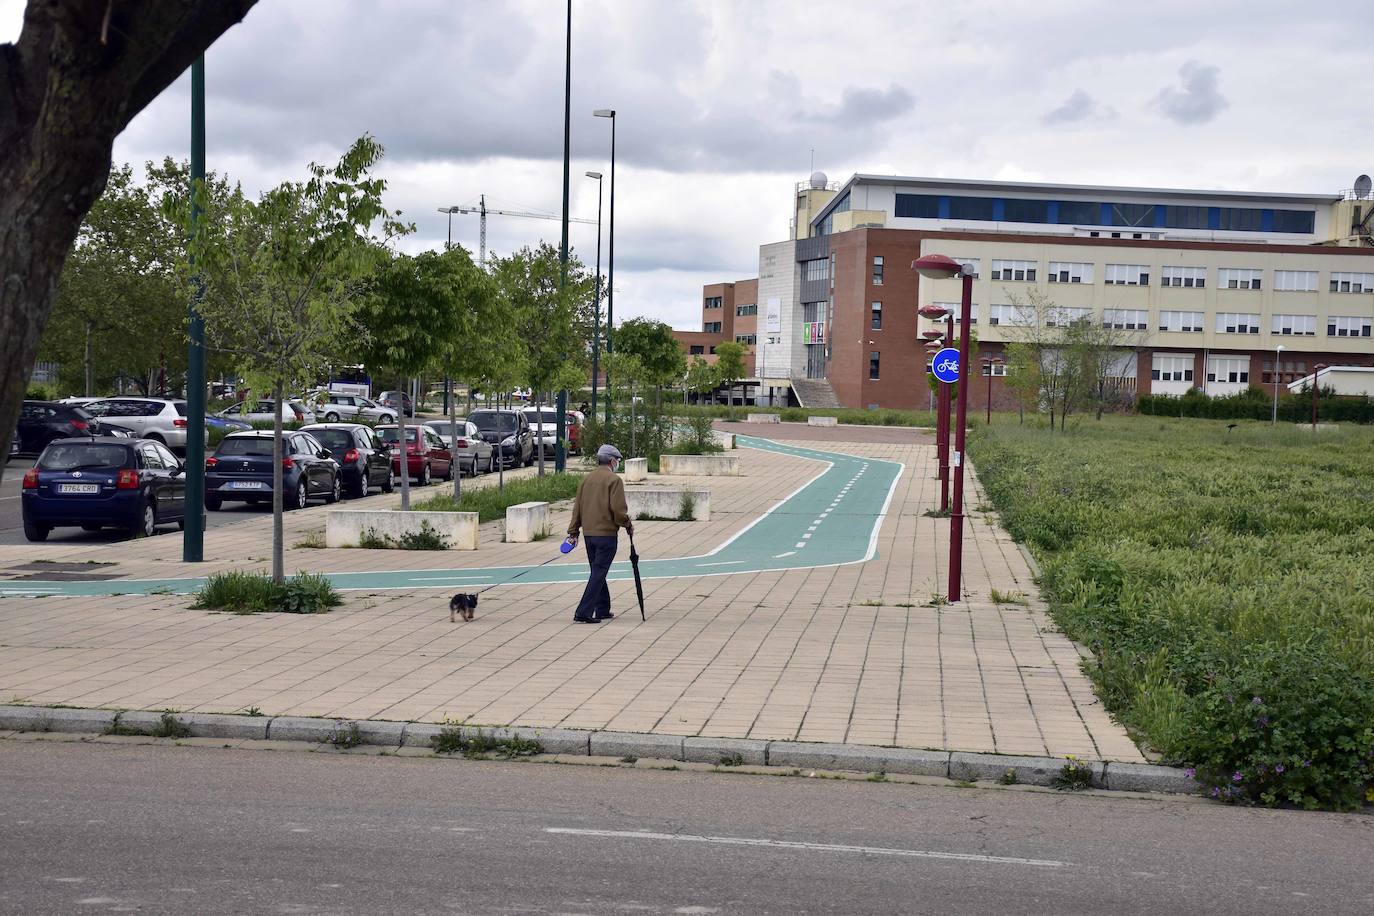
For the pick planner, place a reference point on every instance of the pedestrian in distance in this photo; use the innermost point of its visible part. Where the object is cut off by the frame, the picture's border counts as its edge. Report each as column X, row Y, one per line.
column 599, row 512
column 585, row 409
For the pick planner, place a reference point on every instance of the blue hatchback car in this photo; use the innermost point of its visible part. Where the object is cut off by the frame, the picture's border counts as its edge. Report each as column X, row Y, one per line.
column 94, row 483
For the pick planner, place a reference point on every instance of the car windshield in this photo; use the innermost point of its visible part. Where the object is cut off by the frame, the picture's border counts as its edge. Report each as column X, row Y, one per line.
column 74, row 456
column 445, row 428
column 390, row 435
column 366, row 402
column 254, row 446
column 337, row 441
column 542, row 416
column 494, row 422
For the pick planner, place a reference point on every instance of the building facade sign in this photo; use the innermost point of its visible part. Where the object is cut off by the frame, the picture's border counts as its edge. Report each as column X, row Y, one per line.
column 772, row 316
column 813, row 332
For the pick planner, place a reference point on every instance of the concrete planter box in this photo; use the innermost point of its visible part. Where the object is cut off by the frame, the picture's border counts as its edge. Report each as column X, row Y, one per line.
column 763, row 418
column 345, row 527
column 699, row 465
column 636, row 469
column 527, row 522
column 822, row 421
column 724, row 440
column 667, row 503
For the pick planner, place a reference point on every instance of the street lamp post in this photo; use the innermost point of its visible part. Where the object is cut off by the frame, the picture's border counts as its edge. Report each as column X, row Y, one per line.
column 989, row 362
column 610, row 258
column 560, row 452
column 1316, row 370
column 1278, row 352
column 937, row 266
column 935, row 342
column 596, row 301
column 193, row 538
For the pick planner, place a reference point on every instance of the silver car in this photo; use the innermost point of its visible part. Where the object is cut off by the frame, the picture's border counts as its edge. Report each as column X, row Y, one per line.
column 261, row 411
column 335, row 407
column 475, row 455
column 160, row 419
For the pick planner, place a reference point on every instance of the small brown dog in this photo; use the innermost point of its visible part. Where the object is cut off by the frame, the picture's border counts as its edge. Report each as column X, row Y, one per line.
column 466, row 605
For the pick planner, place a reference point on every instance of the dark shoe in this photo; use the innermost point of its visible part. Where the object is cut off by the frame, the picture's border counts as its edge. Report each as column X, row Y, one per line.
column 606, row 616
column 586, row 620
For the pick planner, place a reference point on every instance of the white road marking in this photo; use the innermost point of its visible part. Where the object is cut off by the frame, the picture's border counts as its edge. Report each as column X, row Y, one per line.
column 812, row 847
column 812, row 528
column 801, row 544
column 779, row 556
column 806, row 537
column 721, row 563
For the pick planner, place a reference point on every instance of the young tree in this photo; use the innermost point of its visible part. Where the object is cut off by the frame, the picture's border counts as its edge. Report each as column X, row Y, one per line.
column 658, row 351
column 284, row 277
column 1048, row 337
column 78, row 74
column 730, row 366
column 701, row 376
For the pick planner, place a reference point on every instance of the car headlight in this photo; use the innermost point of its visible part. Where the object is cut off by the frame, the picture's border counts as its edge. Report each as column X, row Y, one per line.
column 509, row 440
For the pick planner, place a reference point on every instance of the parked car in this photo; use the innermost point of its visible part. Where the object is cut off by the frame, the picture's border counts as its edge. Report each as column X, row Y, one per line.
column 262, row 411
column 94, row 482
column 427, row 457
column 40, row 422
column 544, row 425
column 160, row 419
column 364, row 459
column 475, row 454
column 335, row 407
column 214, row 421
column 509, row 431
column 394, row 400
column 241, row 469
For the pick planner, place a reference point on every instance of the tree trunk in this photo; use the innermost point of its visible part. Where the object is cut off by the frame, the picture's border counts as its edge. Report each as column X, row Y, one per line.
column 539, row 412
column 278, row 557
column 453, row 433
column 404, row 450
column 88, row 359
column 79, row 72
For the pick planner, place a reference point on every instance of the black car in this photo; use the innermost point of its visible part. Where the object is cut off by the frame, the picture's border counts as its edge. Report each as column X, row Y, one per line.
column 97, row 482
column 364, row 459
column 40, row 422
column 509, row 431
column 241, row 469
column 394, row 400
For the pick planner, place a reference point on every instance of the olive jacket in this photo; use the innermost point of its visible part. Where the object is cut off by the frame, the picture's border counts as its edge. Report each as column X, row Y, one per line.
column 600, row 509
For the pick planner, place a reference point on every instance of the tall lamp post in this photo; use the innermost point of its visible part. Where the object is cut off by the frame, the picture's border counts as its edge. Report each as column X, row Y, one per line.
column 596, row 301
column 193, row 538
column 560, row 452
column 610, row 257
column 989, row 362
column 1316, row 370
column 1278, row 351
column 940, row 267
column 934, row 341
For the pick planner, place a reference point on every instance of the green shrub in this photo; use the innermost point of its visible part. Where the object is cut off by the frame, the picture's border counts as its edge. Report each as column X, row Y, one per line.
column 427, row 538
column 491, row 503
column 252, row 593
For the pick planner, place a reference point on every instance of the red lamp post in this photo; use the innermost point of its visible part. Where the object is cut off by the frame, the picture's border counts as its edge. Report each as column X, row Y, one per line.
column 940, row 267
column 1316, row 370
column 939, row 314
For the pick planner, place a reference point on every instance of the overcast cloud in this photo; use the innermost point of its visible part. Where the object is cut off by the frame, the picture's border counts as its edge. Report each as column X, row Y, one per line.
column 721, row 103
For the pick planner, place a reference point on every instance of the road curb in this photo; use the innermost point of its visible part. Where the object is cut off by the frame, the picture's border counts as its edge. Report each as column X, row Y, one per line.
column 861, row 758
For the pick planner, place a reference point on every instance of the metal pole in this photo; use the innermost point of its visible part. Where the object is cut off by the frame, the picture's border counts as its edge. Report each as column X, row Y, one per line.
column 1274, row 420
column 193, row 538
column 942, row 443
column 596, row 302
column 1314, row 399
column 610, row 277
column 561, row 408
column 448, row 242
column 989, row 365
column 956, row 514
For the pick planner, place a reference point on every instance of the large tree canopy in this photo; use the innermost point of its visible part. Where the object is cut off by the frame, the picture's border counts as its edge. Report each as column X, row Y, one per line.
column 79, row 73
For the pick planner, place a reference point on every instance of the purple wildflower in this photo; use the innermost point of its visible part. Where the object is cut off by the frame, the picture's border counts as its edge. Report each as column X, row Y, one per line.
column 1189, row 772
column 1278, row 768
column 1215, row 791
column 1262, row 721
column 1237, row 776
column 1257, row 700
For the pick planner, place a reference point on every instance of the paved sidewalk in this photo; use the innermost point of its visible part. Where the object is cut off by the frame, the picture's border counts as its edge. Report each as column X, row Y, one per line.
column 859, row 653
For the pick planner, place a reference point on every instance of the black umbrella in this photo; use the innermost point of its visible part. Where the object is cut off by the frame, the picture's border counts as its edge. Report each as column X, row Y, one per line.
column 639, row 585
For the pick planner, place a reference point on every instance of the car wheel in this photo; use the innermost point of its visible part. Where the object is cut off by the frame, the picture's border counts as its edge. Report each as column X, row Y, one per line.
column 35, row 532
column 390, row 485
column 331, row 417
column 302, row 495
column 156, row 438
column 448, row 475
column 363, row 487
column 424, row 476
column 181, row 524
column 146, row 526
column 334, row 492
column 386, row 418
column 213, row 503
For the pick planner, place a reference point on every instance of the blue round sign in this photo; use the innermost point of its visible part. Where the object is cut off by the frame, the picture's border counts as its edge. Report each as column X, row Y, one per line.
column 945, row 365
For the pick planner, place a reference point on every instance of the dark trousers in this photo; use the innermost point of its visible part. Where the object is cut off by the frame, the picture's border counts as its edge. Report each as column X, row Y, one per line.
column 596, row 597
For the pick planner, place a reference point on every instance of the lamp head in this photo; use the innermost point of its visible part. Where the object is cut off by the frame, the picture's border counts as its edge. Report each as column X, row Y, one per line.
column 604, row 113
column 1319, row 367
column 596, row 175
column 937, row 267
column 933, row 312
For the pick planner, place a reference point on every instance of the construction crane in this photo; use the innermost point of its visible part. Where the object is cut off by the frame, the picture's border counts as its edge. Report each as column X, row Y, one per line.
column 480, row 208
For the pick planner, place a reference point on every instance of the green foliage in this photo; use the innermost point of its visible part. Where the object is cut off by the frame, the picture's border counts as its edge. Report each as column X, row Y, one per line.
column 345, row 734
column 553, row 325
column 687, row 510
column 1206, row 568
column 730, row 367
column 847, row 415
column 491, row 503
column 1258, row 404
column 1073, row 776
column 652, row 343
column 250, row 593
column 701, row 376
column 427, row 538
column 479, row 744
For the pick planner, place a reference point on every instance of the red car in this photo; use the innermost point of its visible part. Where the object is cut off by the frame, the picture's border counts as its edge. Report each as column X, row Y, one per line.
column 426, row 455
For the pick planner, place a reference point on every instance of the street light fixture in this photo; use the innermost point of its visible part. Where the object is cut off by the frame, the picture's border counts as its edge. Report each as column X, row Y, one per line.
column 1278, row 351
column 1316, row 370
column 610, row 258
column 940, row 267
column 596, row 301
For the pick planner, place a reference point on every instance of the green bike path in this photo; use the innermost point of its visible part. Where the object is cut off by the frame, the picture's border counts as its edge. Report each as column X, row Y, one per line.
column 832, row 519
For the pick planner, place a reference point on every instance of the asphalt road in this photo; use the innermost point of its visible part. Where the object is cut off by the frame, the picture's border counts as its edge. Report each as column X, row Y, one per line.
column 123, row 828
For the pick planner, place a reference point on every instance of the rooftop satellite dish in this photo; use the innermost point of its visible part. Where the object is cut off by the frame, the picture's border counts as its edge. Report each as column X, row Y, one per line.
column 818, row 181
column 1363, row 186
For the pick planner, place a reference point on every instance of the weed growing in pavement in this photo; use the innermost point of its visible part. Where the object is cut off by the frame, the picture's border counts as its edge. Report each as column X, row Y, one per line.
column 936, row 513
column 1000, row 597
column 345, row 735
column 369, row 539
column 427, row 538
column 482, row 745
column 312, row 540
column 252, row 593
column 732, row 760
column 628, row 758
column 252, row 711
column 1008, row 778
column 169, row 726
column 879, row 776
column 687, row 510
column 937, row 601
column 1073, row 776
column 448, row 741
column 869, row 602
column 646, row 517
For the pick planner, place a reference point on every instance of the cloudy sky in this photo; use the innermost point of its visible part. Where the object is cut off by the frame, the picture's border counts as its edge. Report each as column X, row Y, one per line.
column 721, row 102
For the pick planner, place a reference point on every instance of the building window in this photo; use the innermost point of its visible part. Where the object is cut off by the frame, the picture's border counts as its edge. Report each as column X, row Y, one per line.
column 1133, row 214
column 979, row 208
column 956, row 308
column 996, row 369
column 1013, row 270
column 1127, row 275
column 712, row 350
column 876, row 310
column 1080, row 212
column 743, row 310
column 1242, row 219
column 917, row 206
column 1337, row 326
column 1016, row 210
column 1239, row 278
column 1070, row 272
column 873, row 364
column 1294, row 325
column 1010, row 314
column 1189, row 277
column 818, row 269
column 1062, row 316
column 1298, row 222
column 1126, row 319
column 713, row 302
column 1352, row 283
column 878, row 270
column 1295, row 281
column 696, row 350
column 1231, row 370
column 968, row 262
column 1289, row 371
column 1166, row 367
column 711, row 327
column 1237, row 323
column 1185, row 217
column 748, row 339
column 1187, row 322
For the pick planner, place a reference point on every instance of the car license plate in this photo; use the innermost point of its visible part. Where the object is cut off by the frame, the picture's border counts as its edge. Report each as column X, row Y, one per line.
column 246, row 485
column 78, row 488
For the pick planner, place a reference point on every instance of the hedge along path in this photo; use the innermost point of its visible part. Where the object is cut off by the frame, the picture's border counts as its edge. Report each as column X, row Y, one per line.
column 833, row 519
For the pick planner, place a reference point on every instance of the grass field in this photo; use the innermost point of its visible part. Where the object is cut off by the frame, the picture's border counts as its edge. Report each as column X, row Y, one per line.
column 1224, row 579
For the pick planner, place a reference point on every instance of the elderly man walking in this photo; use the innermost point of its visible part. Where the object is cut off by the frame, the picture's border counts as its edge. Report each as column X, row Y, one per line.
column 599, row 512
